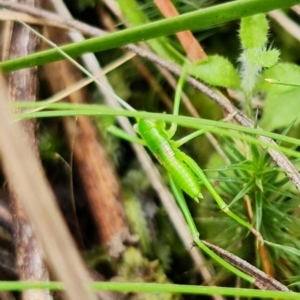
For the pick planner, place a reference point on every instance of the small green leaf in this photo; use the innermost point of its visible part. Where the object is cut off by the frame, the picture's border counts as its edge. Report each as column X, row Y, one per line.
column 259, row 204
column 281, row 109
column 269, row 58
column 217, row 71
column 265, row 59
column 283, row 72
column 259, row 184
column 254, row 31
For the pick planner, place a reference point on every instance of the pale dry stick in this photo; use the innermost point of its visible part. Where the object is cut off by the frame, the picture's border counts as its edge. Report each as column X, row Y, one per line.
column 39, row 203
column 262, row 280
column 114, row 8
column 285, row 22
column 168, row 201
column 166, row 197
column 6, row 35
column 6, row 15
column 280, row 159
column 296, row 9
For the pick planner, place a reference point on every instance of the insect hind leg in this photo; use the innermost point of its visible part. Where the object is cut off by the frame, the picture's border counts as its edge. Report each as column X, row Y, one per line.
column 223, row 206
column 190, row 137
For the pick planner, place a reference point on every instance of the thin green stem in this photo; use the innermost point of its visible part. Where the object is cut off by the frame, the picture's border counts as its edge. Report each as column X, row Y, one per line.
column 176, row 106
column 190, row 137
column 177, row 192
column 209, row 125
column 95, row 109
column 126, row 287
column 116, row 131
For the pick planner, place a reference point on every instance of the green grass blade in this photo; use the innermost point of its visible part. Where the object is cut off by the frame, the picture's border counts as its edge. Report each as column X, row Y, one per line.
column 136, row 17
column 69, row 109
column 201, row 123
column 152, row 288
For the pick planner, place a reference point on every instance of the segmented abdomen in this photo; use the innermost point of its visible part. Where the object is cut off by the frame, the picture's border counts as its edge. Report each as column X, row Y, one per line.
column 157, row 141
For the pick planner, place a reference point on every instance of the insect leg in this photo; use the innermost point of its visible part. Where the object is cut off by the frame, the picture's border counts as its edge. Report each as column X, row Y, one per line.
column 196, row 236
column 124, row 135
column 177, row 192
column 223, row 206
column 189, row 137
column 178, row 93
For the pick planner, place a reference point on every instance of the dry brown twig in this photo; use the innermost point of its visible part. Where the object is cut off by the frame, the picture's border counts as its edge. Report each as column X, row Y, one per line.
column 262, row 280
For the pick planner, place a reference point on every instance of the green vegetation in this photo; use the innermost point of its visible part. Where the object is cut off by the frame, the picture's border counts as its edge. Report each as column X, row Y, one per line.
column 238, row 175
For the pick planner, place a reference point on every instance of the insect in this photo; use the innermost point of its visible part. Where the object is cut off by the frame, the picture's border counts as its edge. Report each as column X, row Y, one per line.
column 167, row 153
column 183, row 170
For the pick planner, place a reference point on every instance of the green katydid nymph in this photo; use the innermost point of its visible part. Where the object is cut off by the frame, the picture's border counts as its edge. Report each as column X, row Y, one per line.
column 165, row 150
